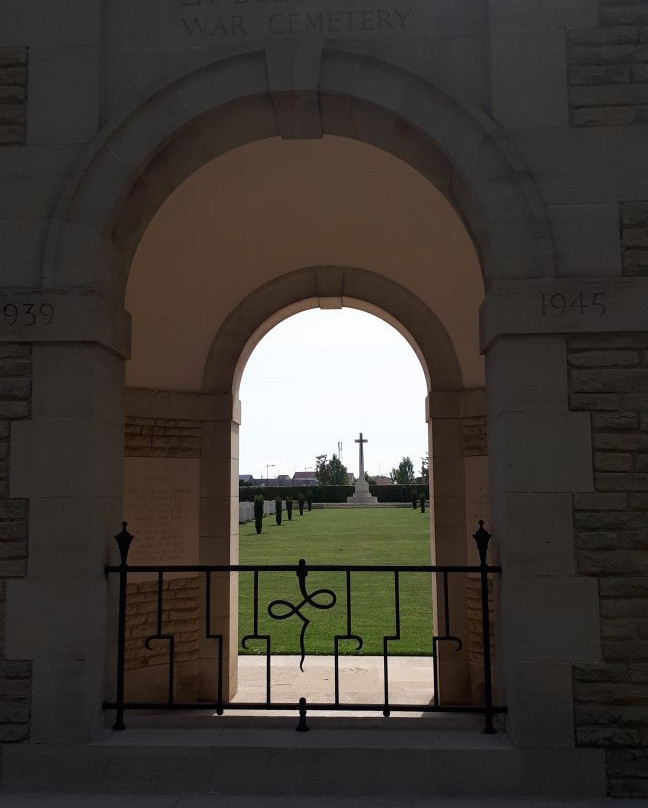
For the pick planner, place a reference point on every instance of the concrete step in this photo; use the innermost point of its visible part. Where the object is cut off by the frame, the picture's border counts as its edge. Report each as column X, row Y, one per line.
column 213, row 800
column 238, row 756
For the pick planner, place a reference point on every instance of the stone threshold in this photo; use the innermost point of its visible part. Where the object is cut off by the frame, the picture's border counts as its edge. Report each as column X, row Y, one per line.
column 331, row 760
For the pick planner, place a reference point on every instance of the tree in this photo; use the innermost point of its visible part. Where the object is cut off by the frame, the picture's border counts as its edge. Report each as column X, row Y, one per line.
column 322, row 469
column 258, row 513
column 404, row 474
column 425, row 468
column 300, row 502
column 278, row 507
column 330, row 472
column 368, row 479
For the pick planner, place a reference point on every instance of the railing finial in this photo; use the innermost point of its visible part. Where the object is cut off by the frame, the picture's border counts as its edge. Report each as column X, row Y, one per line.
column 482, row 537
column 124, row 540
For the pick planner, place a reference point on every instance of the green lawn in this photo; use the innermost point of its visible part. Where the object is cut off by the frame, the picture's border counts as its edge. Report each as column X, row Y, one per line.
column 332, row 536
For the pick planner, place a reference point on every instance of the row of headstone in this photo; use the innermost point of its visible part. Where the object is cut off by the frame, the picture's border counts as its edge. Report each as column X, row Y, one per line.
column 246, row 510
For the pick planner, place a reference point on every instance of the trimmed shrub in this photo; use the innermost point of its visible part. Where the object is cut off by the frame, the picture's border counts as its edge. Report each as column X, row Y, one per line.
column 394, row 493
column 258, row 513
column 422, row 504
column 337, row 493
column 309, row 499
column 289, row 504
column 414, row 498
column 278, row 508
column 300, row 502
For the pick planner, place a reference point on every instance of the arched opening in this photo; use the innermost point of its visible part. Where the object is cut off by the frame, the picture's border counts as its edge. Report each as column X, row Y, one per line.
column 229, row 232
column 138, row 162
column 310, row 386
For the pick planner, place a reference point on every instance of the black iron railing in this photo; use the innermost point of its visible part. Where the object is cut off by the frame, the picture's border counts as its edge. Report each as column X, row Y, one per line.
column 282, row 609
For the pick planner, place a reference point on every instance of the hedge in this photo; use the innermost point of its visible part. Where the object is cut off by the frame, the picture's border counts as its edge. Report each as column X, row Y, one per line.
column 398, row 493
column 338, row 493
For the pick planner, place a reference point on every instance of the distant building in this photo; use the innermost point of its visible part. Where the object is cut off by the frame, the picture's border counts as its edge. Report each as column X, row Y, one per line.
column 305, row 478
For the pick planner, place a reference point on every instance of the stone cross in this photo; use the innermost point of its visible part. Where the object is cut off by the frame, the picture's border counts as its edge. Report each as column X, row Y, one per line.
column 361, row 440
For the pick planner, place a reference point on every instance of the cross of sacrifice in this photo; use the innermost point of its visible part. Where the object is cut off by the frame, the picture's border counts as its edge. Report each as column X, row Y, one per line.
column 361, row 440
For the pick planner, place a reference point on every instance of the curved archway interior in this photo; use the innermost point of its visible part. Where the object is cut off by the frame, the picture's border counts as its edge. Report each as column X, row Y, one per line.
column 270, row 207
column 275, row 227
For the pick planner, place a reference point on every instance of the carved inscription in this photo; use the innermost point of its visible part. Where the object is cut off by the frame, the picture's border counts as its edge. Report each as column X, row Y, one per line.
column 27, row 313
column 297, row 22
column 477, row 495
column 558, row 304
column 220, row 22
column 161, row 501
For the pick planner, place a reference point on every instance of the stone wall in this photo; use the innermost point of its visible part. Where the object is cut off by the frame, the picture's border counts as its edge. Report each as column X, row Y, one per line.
column 147, row 669
column 609, row 378
column 476, row 638
column 171, row 438
column 608, row 67
column 162, row 437
column 634, row 237
column 15, row 676
column 180, row 600
column 475, row 444
column 13, row 96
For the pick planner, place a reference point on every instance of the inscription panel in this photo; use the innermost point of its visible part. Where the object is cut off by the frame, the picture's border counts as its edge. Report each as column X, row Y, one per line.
column 209, row 23
column 59, row 316
column 562, row 306
column 477, row 494
column 161, row 505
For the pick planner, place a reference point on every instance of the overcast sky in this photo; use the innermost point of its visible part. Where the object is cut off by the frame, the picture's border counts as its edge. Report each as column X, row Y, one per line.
column 321, row 377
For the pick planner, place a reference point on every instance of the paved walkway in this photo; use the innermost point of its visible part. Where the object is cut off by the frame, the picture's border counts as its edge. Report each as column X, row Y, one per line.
column 361, row 680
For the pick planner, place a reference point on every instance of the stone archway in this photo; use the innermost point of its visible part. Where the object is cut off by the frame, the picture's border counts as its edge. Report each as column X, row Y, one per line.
column 335, row 287
column 139, row 160
column 330, row 287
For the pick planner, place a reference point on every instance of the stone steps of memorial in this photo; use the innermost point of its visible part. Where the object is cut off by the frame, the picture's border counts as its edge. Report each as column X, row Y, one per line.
column 198, row 753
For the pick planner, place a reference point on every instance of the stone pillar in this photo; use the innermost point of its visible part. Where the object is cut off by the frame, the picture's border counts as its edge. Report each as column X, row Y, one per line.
column 448, row 506
column 67, row 461
column 539, row 456
column 219, row 540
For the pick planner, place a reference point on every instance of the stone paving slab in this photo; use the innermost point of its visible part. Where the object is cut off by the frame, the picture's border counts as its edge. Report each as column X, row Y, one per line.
column 361, row 680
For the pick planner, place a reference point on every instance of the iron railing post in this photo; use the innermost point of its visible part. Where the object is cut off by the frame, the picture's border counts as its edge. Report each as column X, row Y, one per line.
column 302, row 726
column 124, row 540
column 482, row 537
